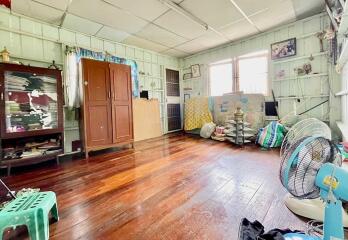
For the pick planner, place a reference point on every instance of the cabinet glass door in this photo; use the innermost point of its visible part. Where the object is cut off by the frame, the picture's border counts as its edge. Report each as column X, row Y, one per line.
column 30, row 102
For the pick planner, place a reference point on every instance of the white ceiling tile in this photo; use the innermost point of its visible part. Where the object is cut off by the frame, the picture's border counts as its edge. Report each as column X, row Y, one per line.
column 149, row 9
column 179, row 24
column 81, row 24
column 60, row 4
column 239, row 30
column 191, row 46
column 250, row 7
column 143, row 43
column 175, row 53
column 274, row 16
column 211, row 39
column 307, row 8
column 216, row 13
column 159, row 35
column 37, row 10
column 112, row 34
column 107, row 14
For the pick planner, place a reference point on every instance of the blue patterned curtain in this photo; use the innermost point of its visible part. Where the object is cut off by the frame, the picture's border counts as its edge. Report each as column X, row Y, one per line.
column 85, row 53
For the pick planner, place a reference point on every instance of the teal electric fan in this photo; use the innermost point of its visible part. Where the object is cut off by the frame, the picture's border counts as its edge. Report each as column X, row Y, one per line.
column 310, row 168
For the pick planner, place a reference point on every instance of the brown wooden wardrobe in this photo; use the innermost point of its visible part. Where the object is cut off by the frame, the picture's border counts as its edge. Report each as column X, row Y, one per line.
column 107, row 118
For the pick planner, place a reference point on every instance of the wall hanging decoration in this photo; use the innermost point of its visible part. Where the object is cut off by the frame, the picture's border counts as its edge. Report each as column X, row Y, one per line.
column 5, row 55
column 195, row 70
column 187, row 76
column 282, row 49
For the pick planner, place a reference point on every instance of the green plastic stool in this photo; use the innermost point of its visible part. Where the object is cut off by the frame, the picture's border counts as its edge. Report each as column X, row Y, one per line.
column 31, row 210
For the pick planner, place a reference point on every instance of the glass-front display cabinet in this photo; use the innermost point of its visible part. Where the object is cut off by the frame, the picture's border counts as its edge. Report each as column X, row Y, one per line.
column 31, row 108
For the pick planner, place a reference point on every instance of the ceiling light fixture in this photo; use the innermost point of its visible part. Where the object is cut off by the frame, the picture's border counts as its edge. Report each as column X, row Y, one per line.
column 175, row 7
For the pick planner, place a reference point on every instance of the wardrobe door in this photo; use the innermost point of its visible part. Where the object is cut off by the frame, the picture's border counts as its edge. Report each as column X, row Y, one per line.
column 98, row 122
column 122, row 116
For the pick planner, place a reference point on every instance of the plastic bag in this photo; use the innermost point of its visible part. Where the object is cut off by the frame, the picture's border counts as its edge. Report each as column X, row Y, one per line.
column 207, row 130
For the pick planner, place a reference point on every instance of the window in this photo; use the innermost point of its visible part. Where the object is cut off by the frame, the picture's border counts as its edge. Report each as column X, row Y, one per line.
column 221, row 79
column 247, row 73
column 253, row 73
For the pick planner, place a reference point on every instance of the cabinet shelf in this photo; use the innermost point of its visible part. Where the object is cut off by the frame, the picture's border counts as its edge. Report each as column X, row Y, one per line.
column 29, row 119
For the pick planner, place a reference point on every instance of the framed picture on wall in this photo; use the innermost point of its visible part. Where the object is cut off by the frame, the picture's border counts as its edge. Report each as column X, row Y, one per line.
column 195, row 70
column 187, row 76
column 282, row 49
column 186, row 97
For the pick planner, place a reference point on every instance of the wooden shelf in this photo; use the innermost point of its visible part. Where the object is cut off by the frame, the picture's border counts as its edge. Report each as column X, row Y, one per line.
column 291, row 59
column 302, row 97
column 33, row 160
column 301, row 77
column 342, row 93
column 191, row 79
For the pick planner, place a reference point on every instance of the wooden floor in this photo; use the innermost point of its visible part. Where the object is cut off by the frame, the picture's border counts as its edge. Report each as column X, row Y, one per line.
column 173, row 187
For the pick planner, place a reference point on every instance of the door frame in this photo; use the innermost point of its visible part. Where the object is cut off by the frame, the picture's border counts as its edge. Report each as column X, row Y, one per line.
column 169, row 100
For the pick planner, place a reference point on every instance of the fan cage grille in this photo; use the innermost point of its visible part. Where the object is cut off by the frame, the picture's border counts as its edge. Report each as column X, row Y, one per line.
column 305, row 165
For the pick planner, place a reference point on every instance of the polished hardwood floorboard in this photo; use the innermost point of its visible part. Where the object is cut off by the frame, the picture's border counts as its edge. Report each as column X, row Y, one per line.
column 173, row 187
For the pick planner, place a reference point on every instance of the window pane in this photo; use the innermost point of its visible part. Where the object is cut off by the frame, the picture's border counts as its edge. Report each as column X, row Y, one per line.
column 221, row 79
column 253, row 74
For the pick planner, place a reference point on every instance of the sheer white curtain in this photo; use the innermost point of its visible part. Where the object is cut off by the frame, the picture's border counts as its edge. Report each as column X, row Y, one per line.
column 71, row 77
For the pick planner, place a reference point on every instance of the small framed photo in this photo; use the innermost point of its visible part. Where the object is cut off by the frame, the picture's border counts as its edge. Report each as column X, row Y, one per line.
column 186, row 97
column 283, row 49
column 195, row 70
column 187, row 76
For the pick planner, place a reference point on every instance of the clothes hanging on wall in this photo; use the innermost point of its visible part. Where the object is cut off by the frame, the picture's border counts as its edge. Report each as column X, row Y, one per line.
column 197, row 113
column 71, row 78
column 85, row 53
column 72, row 72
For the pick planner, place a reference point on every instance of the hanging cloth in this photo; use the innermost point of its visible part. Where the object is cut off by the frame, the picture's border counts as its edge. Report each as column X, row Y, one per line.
column 85, row 53
column 197, row 113
column 71, row 78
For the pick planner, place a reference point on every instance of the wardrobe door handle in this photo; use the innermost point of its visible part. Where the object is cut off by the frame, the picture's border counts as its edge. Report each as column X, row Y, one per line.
column 109, row 94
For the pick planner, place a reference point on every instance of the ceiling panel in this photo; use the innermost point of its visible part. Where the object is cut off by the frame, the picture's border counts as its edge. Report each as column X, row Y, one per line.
column 149, row 9
column 239, row 30
column 307, row 8
column 179, row 24
column 191, row 46
column 107, row 15
column 211, row 39
column 216, row 13
column 81, row 24
column 159, row 35
column 250, row 7
column 60, row 4
column 37, row 10
column 112, row 34
column 143, row 43
column 274, row 16
column 175, row 53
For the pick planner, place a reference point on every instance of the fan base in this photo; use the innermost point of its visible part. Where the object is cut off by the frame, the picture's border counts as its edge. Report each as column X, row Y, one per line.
column 297, row 236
